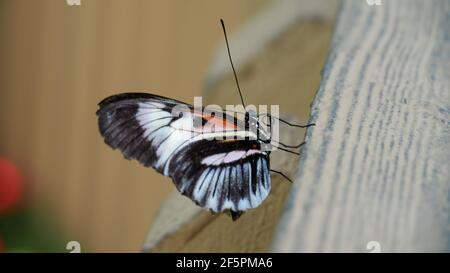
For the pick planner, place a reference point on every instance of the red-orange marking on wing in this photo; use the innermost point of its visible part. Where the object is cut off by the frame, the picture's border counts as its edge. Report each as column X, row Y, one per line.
column 218, row 122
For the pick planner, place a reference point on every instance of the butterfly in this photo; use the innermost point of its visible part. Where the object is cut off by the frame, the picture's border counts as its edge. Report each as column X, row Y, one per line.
column 218, row 160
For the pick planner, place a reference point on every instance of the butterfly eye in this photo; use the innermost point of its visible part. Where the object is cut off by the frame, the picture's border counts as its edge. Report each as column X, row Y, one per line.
column 180, row 115
column 213, row 114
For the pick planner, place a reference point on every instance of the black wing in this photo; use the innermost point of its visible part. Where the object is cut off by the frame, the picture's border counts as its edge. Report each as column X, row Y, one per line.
column 143, row 127
column 216, row 174
column 222, row 175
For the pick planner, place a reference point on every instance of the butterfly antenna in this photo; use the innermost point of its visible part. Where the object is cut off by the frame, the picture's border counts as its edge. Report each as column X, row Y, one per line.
column 288, row 123
column 282, row 174
column 290, row 146
column 288, row 151
column 231, row 61
column 295, row 125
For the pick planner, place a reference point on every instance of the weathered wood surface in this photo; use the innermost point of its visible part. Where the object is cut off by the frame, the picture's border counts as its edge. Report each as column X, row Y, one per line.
column 376, row 166
column 299, row 45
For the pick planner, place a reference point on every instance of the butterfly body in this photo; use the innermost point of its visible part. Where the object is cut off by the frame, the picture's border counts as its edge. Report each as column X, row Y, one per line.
column 212, row 158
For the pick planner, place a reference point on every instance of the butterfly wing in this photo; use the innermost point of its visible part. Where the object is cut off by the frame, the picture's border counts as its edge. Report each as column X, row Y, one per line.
column 222, row 175
column 216, row 174
column 143, row 126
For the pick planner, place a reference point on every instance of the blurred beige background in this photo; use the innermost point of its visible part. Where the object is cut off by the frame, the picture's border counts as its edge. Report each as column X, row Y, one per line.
column 58, row 62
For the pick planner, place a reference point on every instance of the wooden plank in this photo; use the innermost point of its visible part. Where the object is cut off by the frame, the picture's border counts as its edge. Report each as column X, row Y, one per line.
column 183, row 227
column 376, row 166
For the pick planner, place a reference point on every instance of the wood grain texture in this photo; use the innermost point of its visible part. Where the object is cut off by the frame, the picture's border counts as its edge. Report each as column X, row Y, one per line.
column 266, row 79
column 376, row 166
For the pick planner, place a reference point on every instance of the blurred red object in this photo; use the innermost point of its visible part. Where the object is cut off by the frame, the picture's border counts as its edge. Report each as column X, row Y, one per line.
column 11, row 186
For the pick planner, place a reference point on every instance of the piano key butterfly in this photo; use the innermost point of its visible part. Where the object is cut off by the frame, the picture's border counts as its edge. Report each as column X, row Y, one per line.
column 220, row 161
